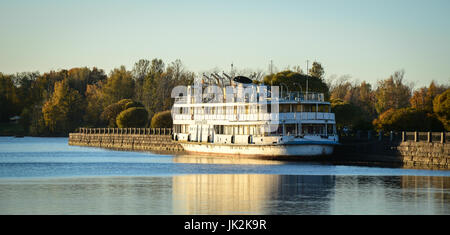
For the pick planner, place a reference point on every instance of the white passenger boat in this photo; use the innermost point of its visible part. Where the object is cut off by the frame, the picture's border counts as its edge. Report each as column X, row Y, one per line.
column 243, row 118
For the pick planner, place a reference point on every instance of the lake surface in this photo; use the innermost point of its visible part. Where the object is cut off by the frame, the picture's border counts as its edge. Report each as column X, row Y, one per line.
column 47, row 176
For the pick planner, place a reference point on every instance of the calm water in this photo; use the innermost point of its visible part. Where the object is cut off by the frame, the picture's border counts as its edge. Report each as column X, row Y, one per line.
column 46, row 176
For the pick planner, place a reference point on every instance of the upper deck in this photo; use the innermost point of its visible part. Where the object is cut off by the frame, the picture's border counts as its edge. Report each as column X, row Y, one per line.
column 243, row 94
column 250, row 103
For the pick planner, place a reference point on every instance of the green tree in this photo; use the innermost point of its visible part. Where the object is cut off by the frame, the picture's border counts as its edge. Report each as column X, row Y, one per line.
column 350, row 116
column 293, row 81
column 162, row 120
column 317, row 70
column 132, row 117
column 441, row 107
column 119, row 85
column 140, row 71
column 8, row 99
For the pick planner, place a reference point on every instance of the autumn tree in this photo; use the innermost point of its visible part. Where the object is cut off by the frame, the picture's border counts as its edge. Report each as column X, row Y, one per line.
column 64, row 110
column 80, row 78
column 392, row 93
column 423, row 97
column 160, row 81
column 94, row 104
column 407, row 119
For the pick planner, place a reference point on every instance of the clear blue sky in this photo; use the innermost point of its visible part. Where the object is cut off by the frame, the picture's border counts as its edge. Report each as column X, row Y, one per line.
column 367, row 39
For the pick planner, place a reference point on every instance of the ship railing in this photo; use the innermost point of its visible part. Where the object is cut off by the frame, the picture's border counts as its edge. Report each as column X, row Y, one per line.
column 299, row 96
column 291, row 96
column 258, row 116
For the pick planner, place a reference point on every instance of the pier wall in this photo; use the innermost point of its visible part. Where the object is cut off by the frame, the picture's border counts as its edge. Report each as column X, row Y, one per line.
column 408, row 149
column 133, row 139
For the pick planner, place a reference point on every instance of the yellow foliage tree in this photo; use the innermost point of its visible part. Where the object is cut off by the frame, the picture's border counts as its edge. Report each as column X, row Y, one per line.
column 63, row 111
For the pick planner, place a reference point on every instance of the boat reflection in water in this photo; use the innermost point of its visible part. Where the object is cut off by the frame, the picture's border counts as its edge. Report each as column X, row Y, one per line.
column 248, row 193
column 304, row 194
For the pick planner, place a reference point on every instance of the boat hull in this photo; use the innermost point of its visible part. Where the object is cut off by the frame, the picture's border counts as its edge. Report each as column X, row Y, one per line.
column 294, row 150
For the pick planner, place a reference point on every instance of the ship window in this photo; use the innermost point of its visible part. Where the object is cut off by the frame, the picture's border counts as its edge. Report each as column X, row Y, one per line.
column 219, row 129
column 241, row 130
column 290, row 129
column 309, row 108
column 313, row 129
column 229, row 130
column 323, row 108
column 273, row 130
column 284, row 108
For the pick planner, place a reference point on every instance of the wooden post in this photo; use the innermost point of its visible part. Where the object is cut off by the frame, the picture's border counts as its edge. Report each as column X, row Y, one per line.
column 416, row 136
column 442, row 137
column 429, row 137
column 403, row 136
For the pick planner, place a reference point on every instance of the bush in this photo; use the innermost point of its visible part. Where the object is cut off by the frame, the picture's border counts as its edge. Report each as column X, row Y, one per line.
column 408, row 119
column 111, row 112
column 132, row 117
column 162, row 120
column 133, row 104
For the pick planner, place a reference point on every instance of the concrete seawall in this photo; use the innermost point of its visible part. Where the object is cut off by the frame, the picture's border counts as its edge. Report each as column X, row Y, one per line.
column 409, row 154
column 132, row 142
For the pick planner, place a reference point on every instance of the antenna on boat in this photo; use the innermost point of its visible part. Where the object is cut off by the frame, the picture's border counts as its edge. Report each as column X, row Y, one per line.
column 307, row 77
column 271, row 66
